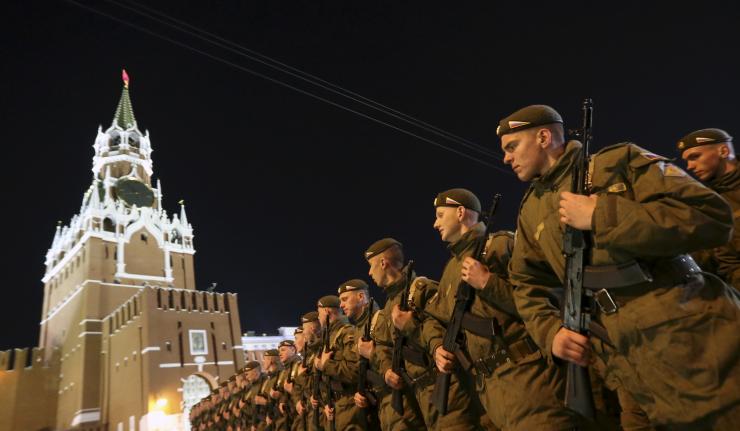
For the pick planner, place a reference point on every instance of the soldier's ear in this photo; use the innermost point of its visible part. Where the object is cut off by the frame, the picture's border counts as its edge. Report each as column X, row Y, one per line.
column 460, row 212
column 543, row 137
column 724, row 152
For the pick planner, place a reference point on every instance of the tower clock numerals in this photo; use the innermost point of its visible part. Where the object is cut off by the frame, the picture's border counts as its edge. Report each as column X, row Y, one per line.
column 134, row 192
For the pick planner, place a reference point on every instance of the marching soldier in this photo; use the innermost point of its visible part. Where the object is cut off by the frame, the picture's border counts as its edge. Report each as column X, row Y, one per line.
column 272, row 366
column 338, row 362
column 710, row 156
column 386, row 261
column 290, row 363
column 516, row 385
column 255, row 411
column 291, row 385
column 304, row 383
column 668, row 324
column 355, row 302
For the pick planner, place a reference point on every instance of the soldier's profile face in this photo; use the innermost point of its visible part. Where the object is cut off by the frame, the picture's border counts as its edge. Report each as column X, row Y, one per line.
column 253, row 374
column 351, row 303
column 704, row 161
column 523, row 153
column 376, row 270
column 310, row 331
column 300, row 341
column 286, row 352
column 447, row 223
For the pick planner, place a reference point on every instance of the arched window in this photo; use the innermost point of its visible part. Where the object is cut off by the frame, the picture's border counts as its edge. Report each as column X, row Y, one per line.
column 108, row 225
column 115, row 141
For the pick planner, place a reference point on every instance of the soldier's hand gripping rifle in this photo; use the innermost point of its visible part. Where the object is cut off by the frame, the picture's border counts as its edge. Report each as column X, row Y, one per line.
column 397, row 358
column 578, row 396
column 463, row 300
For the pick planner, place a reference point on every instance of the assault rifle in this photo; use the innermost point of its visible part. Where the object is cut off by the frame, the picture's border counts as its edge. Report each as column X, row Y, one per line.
column 329, row 393
column 463, row 300
column 316, row 388
column 397, row 358
column 576, row 316
column 364, row 362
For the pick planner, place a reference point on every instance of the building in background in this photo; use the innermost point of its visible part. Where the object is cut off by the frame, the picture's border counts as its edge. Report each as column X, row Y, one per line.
column 256, row 345
column 126, row 340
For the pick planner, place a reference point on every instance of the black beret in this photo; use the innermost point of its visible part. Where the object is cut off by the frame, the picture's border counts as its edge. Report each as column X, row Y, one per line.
column 352, row 285
column 380, row 246
column 703, row 137
column 525, row 118
column 272, row 352
column 251, row 365
column 311, row 316
column 456, row 198
column 289, row 343
column 330, row 301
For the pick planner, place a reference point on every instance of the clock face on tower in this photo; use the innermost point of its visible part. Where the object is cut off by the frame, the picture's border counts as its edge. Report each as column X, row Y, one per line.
column 134, row 192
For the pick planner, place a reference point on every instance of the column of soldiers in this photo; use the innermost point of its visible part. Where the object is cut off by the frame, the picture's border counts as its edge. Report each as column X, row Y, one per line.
column 663, row 339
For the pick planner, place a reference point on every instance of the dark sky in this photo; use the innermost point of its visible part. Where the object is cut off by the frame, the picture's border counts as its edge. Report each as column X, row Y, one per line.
column 285, row 192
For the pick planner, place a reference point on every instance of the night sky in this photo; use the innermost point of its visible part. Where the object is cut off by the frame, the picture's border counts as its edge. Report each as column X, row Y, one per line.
column 284, row 191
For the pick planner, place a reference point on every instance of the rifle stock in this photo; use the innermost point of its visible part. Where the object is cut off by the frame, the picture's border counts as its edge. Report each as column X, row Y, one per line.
column 576, row 316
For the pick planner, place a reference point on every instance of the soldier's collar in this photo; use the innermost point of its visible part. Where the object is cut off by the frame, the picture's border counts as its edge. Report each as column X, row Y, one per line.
column 400, row 284
column 561, row 168
column 725, row 182
column 340, row 321
column 458, row 247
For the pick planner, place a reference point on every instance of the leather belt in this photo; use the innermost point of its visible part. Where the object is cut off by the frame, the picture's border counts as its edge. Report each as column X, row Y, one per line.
column 612, row 286
column 514, row 353
column 415, row 356
column 376, row 380
column 481, row 326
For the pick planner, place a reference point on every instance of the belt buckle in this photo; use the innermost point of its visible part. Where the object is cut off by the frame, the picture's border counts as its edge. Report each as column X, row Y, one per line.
column 482, row 367
column 605, row 302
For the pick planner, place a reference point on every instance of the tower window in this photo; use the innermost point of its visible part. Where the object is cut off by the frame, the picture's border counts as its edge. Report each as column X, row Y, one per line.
column 108, row 225
column 144, row 238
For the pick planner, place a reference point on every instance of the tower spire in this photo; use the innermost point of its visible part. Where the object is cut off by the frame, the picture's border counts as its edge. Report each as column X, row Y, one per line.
column 124, row 116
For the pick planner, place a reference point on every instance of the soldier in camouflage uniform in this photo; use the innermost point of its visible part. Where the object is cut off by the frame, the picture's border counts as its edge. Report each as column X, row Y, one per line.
column 339, row 364
column 670, row 327
column 710, row 156
column 516, row 385
column 386, row 261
